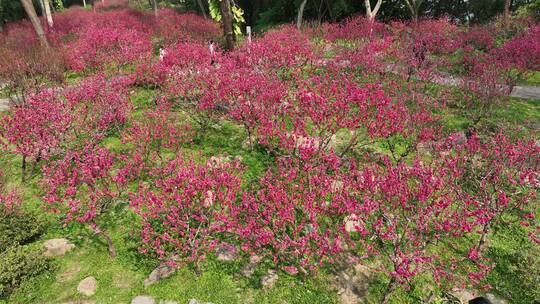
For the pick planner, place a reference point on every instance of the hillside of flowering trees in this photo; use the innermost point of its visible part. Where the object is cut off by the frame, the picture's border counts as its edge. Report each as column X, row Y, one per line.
column 301, row 154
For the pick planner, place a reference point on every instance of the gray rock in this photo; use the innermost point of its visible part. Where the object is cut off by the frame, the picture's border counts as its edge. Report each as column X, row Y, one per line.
column 4, row 104
column 463, row 295
column 226, row 253
column 193, row 301
column 88, row 286
column 162, row 272
column 494, row 299
column 57, row 247
column 249, row 268
column 167, row 302
column 143, row 300
column 269, row 280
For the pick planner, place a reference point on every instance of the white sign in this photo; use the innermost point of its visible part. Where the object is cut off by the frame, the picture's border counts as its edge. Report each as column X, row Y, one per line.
column 248, row 31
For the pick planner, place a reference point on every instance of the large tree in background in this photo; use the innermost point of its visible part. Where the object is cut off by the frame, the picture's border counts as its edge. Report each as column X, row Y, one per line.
column 300, row 14
column 414, row 8
column 506, row 12
column 372, row 12
column 231, row 17
column 31, row 12
column 227, row 22
column 201, row 7
column 155, row 7
column 47, row 8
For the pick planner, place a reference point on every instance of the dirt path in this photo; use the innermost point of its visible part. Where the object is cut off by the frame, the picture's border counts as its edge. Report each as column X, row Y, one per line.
column 526, row 92
column 4, row 104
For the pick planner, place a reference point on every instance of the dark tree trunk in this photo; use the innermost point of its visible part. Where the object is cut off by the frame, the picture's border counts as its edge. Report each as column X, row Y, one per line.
column 227, row 20
column 31, row 12
column 506, row 12
column 389, row 289
column 155, row 7
column 201, row 7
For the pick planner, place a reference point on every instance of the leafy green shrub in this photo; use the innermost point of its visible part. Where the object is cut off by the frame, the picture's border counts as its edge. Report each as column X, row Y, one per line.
column 19, row 264
column 18, row 227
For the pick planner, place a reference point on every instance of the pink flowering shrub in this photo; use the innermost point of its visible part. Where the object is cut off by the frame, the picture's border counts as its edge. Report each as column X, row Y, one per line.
column 499, row 181
column 8, row 200
column 184, row 209
column 173, row 28
column 356, row 28
column 289, row 217
column 401, row 214
column 282, row 48
column 36, row 130
column 80, row 187
column 521, row 52
column 52, row 123
column 98, row 47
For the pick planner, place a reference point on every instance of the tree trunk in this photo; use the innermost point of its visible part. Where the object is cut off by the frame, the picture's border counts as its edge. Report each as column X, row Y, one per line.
column 48, row 14
column 414, row 8
column 300, row 14
column 31, row 12
column 155, row 6
column 107, row 238
column 371, row 13
column 227, row 20
column 41, row 7
column 201, row 6
column 84, row 3
column 255, row 12
column 506, row 12
column 110, row 246
column 482, row 241
column 389, row 289
column 23, row 169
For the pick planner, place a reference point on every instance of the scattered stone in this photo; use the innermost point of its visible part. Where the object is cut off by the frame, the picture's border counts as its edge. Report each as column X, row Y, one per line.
column 463, row 295
column 269, row 280
column 57, row 247
column 167, row 302
column 336, row 186
column 218, row 161
column 193, row 301
column 209, row 199
column 226, row 253
column 494, row 299
column 353, row 284
column 143, row 300
column 351, row 223
column 4, row 104
column 162, row 272
column 249, row 269
column 88, row 286
column 309, row 228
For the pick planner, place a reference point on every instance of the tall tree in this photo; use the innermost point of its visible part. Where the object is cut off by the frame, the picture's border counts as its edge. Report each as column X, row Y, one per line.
column 371, row 13
column 300, row 14
column 201, row 7
column 227, row 21
column 31, row 12
column 48, row 14
column 414, row 7
column 155, row 7
column 506, row 12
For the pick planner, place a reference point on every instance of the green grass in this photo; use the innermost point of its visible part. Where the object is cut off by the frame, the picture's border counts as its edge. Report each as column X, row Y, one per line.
column 531, row 79
column 121, row 279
